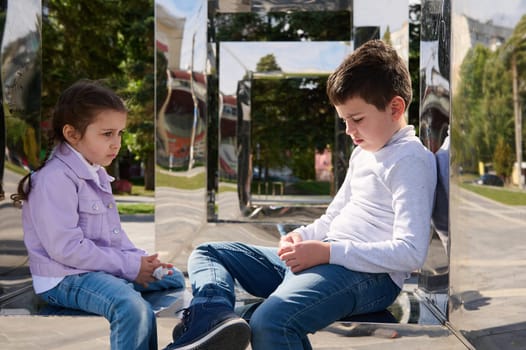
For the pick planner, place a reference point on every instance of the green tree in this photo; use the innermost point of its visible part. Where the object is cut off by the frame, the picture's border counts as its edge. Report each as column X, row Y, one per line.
column 108, row 40
column 267, row 63
column 503, row 157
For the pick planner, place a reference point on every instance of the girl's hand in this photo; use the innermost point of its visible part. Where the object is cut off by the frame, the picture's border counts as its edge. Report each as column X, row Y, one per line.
column 304, row 254
column 148, row 265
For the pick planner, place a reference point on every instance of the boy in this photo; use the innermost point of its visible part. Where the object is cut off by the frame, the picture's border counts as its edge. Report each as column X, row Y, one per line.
column 354, row 258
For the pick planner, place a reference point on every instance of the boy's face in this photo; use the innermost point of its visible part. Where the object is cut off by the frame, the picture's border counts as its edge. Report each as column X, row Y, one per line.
column 369, row 127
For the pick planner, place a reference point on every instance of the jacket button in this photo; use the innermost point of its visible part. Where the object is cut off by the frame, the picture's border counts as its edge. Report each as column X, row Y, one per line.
column 95, row 207
column 116, row 230
column 110, row 205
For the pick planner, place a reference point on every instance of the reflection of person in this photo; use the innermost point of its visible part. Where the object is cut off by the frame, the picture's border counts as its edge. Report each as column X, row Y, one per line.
column 440, row 217
column 79, row 255
column 354, row 258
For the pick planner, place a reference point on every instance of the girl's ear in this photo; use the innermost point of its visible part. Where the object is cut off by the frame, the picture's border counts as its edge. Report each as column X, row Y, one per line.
column 70, row 134
column 397, row 107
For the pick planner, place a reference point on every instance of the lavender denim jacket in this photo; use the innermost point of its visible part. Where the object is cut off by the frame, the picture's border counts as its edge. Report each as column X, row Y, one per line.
column 71, row 224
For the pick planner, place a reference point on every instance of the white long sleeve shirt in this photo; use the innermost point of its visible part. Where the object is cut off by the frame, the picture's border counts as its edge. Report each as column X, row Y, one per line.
column 379, row 221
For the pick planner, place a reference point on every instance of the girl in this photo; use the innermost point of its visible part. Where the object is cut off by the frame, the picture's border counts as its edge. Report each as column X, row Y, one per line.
column 79, row 255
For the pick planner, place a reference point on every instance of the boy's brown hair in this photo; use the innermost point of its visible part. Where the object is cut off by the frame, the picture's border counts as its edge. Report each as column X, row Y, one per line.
column 374, row 72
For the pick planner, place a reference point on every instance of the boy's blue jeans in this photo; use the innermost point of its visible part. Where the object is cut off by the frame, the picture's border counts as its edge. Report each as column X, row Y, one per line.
column 132, row 320
column 295, row 304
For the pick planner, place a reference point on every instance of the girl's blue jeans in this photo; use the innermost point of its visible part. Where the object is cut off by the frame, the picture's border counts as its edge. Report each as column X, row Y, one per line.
column 132, row 320
column 295, row 303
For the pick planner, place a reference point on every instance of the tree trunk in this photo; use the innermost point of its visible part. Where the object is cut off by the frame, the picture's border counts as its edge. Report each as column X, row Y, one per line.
column 149, row 172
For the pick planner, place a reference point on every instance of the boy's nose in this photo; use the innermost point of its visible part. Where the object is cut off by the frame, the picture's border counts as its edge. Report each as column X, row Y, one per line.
column 349, row 128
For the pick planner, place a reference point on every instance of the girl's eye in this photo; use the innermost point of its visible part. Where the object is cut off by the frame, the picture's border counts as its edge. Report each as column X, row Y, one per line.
column 107, row 133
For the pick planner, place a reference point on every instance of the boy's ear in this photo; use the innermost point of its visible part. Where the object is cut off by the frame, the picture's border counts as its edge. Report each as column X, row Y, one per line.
column 70, row 134
column 397, row 107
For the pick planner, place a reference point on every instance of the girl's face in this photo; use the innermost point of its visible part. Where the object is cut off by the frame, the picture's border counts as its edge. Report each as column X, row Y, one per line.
column 102, row 140
column 369, row 127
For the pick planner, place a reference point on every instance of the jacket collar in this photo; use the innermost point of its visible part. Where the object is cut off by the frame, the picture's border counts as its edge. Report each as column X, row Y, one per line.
column 78, row 166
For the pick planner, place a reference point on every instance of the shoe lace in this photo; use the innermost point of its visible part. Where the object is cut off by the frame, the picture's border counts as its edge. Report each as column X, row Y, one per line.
column 186, row 318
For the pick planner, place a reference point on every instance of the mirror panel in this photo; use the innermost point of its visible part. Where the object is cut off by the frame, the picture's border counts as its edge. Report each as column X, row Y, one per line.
column 181, row 119
column 282, row 168
column 20, row 138
column 488, row 212
column 433, row 280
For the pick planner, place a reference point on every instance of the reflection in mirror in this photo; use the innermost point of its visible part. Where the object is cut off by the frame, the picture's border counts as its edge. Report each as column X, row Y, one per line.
column 19, row 137
column 252, row 77
column 433, row 131
column 180, row 124
column 282, row 142
column 488, row 205
column 295, row 154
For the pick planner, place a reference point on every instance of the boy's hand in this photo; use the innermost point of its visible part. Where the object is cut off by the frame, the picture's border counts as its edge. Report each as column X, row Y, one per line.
column 289, row 239
column 148, row 264
column 304, row 254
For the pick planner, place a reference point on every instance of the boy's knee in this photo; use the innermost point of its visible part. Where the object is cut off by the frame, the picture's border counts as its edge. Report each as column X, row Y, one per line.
column 268, row 318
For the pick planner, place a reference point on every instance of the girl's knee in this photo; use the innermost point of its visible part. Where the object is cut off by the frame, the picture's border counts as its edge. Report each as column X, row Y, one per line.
column 133, row 308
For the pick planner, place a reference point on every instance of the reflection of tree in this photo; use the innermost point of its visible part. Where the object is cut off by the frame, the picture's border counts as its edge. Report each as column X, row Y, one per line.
column 290, row 118
column 483, row 108
column 414, row 61
column 268, row 64
column 111, row 40
column 284, row 26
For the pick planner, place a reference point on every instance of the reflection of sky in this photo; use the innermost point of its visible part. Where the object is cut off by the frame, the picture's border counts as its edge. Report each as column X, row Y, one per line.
column 195, row 14
column 383, row 13
column 506, row 13
column 17, row 26
column 292, row 57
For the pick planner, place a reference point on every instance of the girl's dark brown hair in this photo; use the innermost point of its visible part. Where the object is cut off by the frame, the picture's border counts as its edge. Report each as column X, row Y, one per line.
column 77, row 106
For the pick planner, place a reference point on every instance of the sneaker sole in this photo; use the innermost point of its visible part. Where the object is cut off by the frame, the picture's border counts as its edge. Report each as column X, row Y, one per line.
column 233, row 334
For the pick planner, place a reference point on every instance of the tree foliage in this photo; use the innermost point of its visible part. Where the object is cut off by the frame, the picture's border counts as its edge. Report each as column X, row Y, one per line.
column 104, row 40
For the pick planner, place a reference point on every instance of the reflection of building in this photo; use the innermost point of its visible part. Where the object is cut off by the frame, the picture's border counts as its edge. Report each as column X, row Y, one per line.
column 468, row 33
column 400, row 41
column 181, row 126
column 181, row 121
column 227, row 137
column 169, row 36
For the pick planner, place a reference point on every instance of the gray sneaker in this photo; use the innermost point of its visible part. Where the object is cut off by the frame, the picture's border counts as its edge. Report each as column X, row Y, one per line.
column 210, row 326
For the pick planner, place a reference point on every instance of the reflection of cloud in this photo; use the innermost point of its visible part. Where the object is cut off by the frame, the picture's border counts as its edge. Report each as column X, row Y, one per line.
column 292, row 57
column 194, row 35
column 383, row 13
column 507, row 13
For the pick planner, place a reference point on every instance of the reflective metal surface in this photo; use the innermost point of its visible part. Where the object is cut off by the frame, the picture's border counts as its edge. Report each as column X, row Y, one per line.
column 487, row 224
column 433, row 281
column 276, row 152
column 19, row 137
column 247, row 148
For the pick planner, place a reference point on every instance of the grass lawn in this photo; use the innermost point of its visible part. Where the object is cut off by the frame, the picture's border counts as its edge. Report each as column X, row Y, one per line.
column 135, row 208
column 180, row 181
column 502, row 195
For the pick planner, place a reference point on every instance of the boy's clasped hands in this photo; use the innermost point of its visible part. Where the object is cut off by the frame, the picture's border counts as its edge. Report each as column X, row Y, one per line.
column 299, row 255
